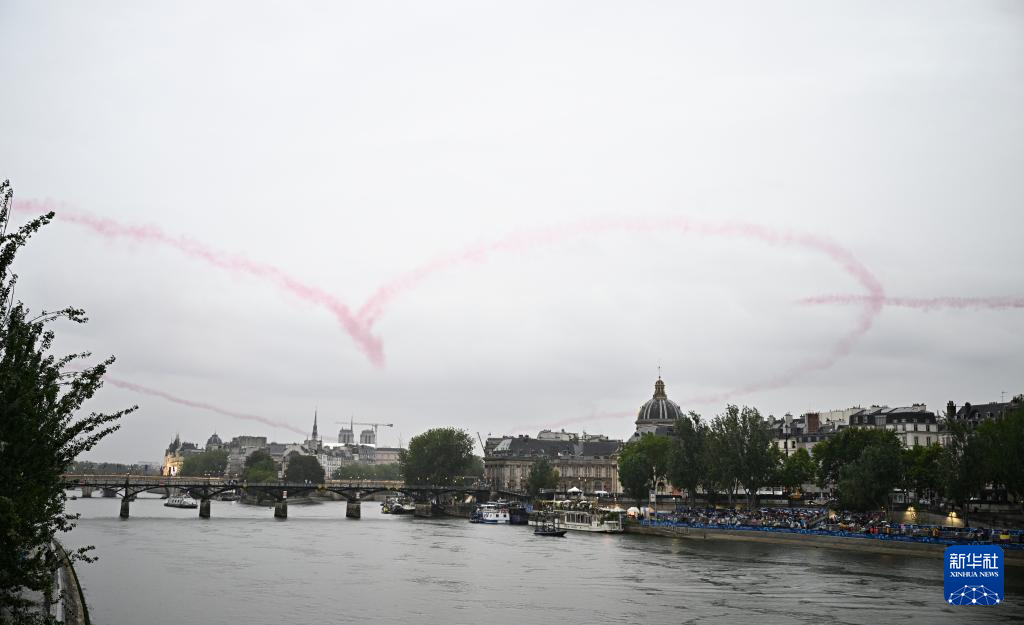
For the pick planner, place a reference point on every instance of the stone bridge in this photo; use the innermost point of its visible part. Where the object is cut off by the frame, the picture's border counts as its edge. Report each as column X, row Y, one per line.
column 204, row 489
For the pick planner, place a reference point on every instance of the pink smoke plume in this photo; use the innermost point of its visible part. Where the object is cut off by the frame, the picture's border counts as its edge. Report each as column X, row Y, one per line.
column 110, row 229
column 927, row 304
column 530, row 239
column 359, row 326
column 200, row 405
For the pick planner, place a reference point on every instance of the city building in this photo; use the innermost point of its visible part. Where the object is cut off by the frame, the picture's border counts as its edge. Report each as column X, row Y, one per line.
column 657, row 415
column 214, row 443
column 590, row 465
column 914, row 425
column 589, row 462
column 973, row 415
column 386, row 455
column 314, row 442
column 806, row 431
column 175, row 456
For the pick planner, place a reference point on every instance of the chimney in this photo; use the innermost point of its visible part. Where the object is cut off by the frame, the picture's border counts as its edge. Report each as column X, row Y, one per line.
column 813, row 422
column 950, row 410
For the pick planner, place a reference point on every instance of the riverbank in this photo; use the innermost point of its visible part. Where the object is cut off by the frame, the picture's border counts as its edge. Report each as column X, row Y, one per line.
column 843, row 543
column 73, row 607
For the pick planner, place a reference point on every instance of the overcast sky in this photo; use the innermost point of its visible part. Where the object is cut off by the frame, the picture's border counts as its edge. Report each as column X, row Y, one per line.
column 870, row 150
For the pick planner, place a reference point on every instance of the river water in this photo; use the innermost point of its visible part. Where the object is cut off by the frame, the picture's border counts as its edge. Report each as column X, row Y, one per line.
column 165, row 566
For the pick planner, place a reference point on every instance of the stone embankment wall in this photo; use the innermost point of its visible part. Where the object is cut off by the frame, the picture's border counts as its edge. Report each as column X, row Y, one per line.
column 74, row 608
column 871, row 545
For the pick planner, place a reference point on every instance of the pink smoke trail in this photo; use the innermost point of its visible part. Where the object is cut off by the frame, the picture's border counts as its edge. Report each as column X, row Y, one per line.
column 200, row 405
column 927, row 304
column 110, row 229
column 359, row 326
column 530, row 239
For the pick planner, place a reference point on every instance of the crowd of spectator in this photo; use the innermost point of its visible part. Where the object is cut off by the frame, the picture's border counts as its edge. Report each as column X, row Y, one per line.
column 842, row 523
column 794, row 518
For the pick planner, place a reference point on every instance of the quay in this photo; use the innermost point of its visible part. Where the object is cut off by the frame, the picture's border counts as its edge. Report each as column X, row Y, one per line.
column 809, row 538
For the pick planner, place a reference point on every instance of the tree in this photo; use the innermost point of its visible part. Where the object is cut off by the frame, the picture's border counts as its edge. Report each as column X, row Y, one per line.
column 438, row 457
column 921, row 469
column 1001, row 447
column 476, row 467
column 797, row 469
column 365, row 471
column 542, row 476
column 643, row 463
column 635, row 476
column 758, row 456
column 960, row 467
column 867, row 483
column 864, row 465
column 42, row 429
column 301, row 469
column 212, row 463
column 259, row 467
column 836, row 452
column 688, row 462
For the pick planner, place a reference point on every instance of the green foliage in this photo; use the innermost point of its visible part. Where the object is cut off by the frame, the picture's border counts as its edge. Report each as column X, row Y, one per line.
column 440, row 457
column 759, row 458
column 1001, row 449
column 42, row 428
column 742, row 451
column 634, row 474
column 113, row 468
column 921, row 469
column 797, row 469
column 542, row 476
column 364, row 471
column 688, row 462
column 209, row 463
column 300, row 469
column 259, row 467
column 643, row 462
column 866, row 483
column 832, row 454
column 476, row 468
column 961, row 467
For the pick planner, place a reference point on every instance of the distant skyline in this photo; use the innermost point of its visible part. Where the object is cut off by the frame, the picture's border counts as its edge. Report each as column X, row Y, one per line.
column 505, row 218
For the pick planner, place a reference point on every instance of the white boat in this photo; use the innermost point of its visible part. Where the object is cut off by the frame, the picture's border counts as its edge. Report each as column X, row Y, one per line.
column 491, row 513
column 181, row 501
column 599, row 520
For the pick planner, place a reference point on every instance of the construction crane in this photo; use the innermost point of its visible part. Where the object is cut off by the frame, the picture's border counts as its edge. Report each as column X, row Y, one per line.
column 352, row 424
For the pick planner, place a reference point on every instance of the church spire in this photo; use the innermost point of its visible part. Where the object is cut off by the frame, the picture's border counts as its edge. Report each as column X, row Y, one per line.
column 314, row 424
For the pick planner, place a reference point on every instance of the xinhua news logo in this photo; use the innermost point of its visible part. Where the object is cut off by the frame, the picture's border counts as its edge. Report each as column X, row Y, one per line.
column 974, row 575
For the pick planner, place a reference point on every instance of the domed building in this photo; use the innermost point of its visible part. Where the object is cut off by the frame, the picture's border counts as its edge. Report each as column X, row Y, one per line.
column 658, row 415
column 214, row 443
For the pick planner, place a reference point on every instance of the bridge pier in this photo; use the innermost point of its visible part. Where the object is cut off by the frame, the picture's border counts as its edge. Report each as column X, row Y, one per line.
column 353, row 509
column 204, row 508
column 125, row 501
column 87, row 491
column 424, row 509
column 281, row 509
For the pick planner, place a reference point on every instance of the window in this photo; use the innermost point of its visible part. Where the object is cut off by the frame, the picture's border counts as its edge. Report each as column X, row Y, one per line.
column 916, row 443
